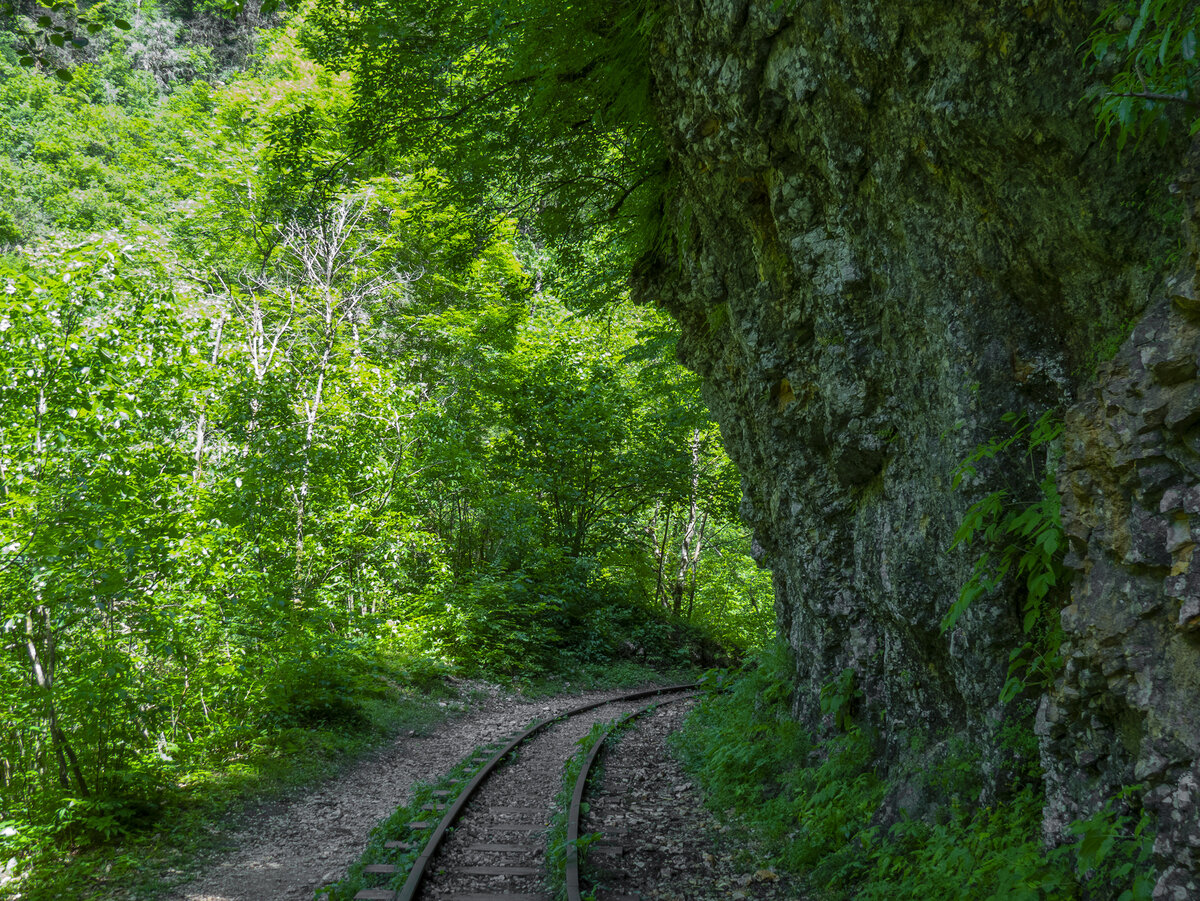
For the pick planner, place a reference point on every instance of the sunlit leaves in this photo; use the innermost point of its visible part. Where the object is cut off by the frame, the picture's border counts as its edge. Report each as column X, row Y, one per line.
column 540, row 111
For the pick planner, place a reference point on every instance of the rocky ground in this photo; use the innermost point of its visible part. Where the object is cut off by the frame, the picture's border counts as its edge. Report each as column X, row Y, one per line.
column 288, row 850
column 657, row 841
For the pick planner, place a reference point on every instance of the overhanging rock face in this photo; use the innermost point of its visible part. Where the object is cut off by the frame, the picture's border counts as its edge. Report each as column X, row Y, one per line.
column 893, row 224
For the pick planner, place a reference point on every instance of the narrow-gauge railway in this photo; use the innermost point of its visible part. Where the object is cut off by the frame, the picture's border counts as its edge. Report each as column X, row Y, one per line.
column 489, row 842
column 575, row 813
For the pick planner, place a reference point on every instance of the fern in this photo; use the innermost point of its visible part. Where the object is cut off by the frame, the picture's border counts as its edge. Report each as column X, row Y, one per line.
column 1020, row 538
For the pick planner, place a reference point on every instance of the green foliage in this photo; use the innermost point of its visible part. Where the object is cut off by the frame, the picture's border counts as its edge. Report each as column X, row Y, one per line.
column 752, row 756
column 819, row 809
column 126, row 840
column 1145, row 50
column 9, row 233
column 60, row 25
column 315, row 430
column 536, row 109
column 837, row 697
column 1020, row 536
column 323, row 686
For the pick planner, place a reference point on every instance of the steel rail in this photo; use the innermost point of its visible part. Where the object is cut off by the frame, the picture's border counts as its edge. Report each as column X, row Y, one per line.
column 408, row 892
column 572, row 868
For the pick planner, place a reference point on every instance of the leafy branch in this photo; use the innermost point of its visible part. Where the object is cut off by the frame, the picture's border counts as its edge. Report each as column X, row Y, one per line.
column 61, row 26
column 1152, row 44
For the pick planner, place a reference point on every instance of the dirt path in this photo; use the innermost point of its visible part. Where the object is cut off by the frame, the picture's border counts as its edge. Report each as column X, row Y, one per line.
column 286, row 851
column 659, row 841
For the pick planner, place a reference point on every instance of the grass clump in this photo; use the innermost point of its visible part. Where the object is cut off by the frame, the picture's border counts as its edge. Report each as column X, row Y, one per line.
column 818, row 809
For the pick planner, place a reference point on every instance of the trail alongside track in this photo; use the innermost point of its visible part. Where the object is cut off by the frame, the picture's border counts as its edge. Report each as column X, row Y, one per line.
column 657, row 841
column 659, row 844
column 285, row 851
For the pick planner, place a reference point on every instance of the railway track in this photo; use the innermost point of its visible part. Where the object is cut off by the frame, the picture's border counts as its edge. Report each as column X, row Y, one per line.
column 611, row 837
column 484, row 838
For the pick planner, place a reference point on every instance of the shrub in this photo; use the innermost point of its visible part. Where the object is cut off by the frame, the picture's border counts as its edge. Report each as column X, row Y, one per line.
column 816, row 807
column 326, row 687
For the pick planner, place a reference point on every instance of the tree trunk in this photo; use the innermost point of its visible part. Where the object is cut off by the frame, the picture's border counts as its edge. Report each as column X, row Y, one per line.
column 202, row 422
column 44, row 677
column 689, row 548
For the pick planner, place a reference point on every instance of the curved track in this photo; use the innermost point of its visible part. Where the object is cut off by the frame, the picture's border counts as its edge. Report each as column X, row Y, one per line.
column 497, row 834
column 573, row 816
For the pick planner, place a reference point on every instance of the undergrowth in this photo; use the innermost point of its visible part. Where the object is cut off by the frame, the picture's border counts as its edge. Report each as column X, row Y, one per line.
column 818, row 808
column 323, row 718
column 600, row 676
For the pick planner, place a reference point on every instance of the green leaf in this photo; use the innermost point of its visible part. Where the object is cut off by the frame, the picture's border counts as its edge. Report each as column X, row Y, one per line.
column 63, row 75
column 1187, row 47
column 1162, row 48
column 1093, row 841
column 1135, row 32
column 121, row 24
column 44, row 21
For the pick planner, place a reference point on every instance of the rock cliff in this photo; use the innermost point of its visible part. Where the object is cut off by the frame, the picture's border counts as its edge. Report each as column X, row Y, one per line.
column 894, row 223
column 1124, row 711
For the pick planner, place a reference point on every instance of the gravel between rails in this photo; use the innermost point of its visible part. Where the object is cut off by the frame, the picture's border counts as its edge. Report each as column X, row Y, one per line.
column 287, row 850
column 519, row 793
column 671, row 848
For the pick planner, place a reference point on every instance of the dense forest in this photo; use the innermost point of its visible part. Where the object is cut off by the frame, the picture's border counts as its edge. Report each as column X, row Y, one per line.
column 340, row 362
column 282, row 427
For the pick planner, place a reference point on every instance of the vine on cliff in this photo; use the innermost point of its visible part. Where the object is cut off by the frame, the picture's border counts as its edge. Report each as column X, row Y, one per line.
column 1018, row 536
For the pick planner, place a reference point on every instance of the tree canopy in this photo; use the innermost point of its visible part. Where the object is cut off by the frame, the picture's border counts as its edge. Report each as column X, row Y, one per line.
column 312, row 385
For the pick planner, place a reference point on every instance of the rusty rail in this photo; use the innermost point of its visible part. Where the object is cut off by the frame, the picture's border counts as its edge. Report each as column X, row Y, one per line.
column 408, row 892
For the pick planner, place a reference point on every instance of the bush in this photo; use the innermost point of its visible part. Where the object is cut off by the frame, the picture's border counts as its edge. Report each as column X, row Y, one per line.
column 326, row 687
column 817, row 808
